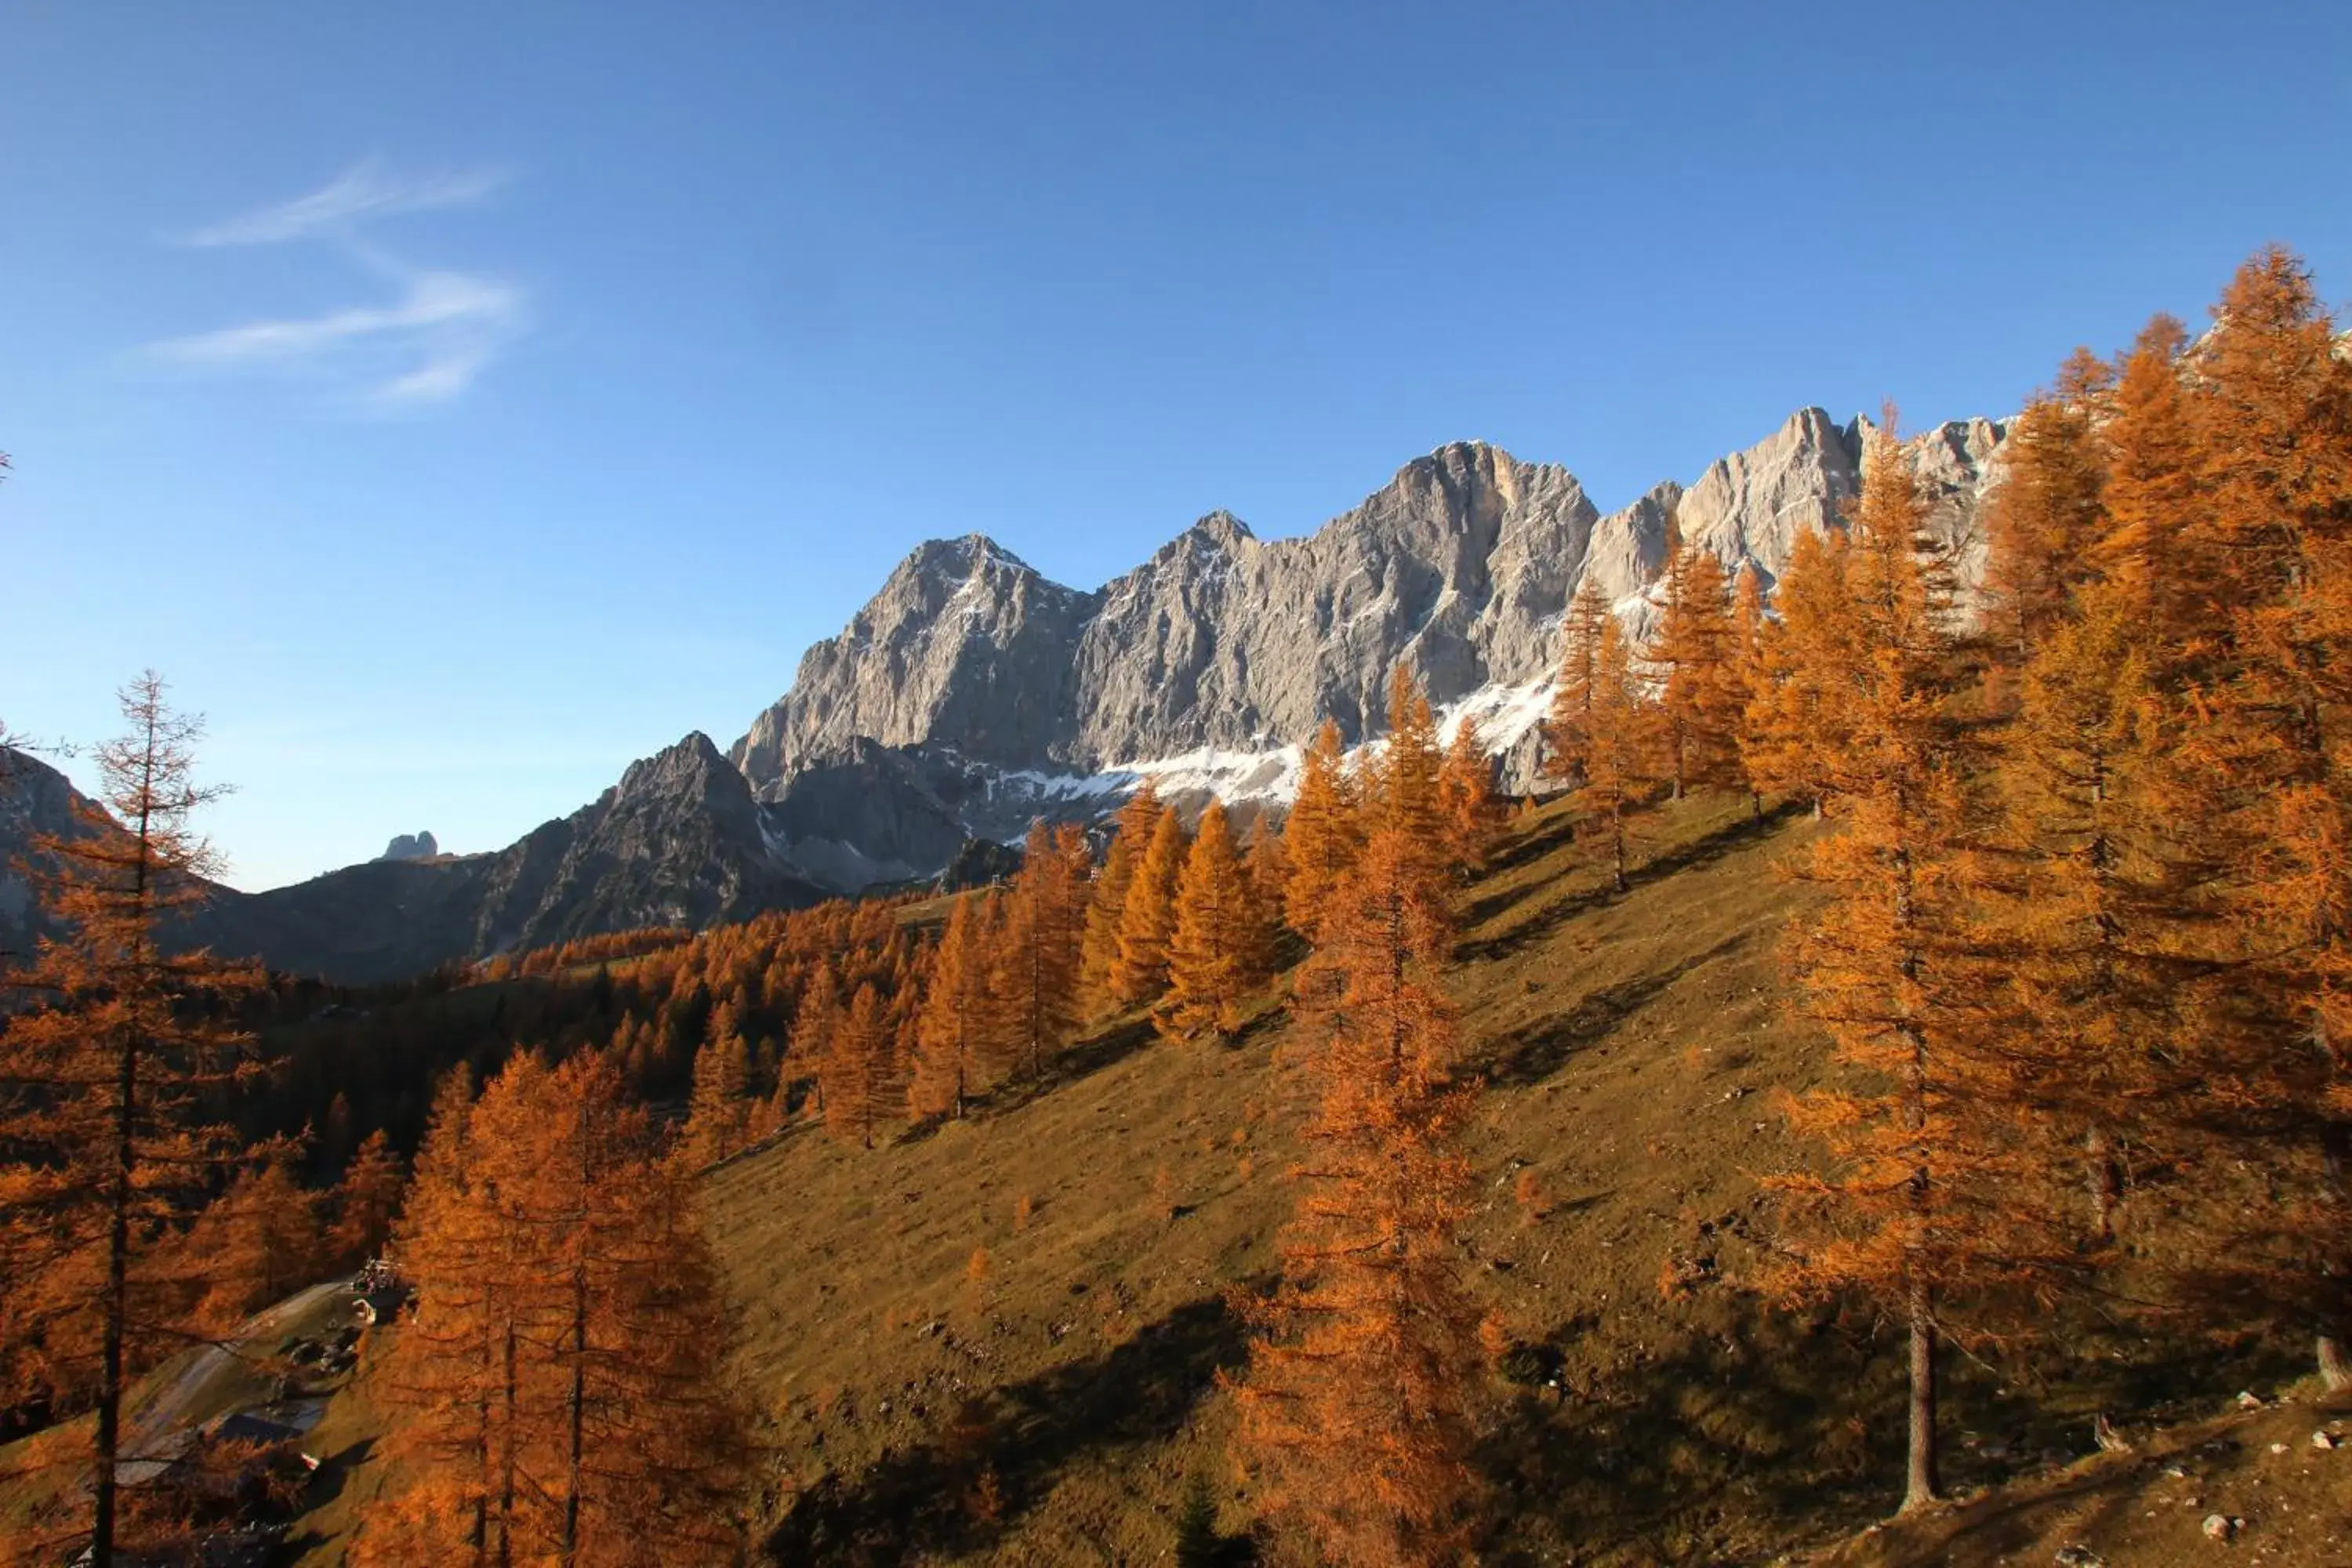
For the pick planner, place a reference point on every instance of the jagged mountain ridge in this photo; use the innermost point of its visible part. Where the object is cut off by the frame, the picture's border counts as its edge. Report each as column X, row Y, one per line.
column 1460, row 566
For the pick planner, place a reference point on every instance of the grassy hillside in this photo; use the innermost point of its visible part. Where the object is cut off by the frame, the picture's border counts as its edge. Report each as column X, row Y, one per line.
column 999, row 1340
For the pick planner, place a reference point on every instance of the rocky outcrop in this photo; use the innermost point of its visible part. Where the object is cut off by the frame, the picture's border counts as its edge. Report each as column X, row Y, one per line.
column 411, row 847
column 966, row 644
column 1460, row 567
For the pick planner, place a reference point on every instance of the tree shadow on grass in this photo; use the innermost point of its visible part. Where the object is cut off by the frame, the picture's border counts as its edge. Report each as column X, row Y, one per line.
column 1539, row 842
column 1004, row 1454
column 1746, row 1431
column 1705, row 850
column 1540, row 1047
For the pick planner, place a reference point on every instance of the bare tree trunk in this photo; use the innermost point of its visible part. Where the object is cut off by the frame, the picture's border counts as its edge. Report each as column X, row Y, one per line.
column 118, row 1269
column 1617, row 829
column 1920, row 1484
column 507, row 1463
column 578, row 1409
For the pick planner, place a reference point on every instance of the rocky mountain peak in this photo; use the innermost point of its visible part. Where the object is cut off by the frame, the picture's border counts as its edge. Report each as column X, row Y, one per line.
column 411, row 847
column 693, row 766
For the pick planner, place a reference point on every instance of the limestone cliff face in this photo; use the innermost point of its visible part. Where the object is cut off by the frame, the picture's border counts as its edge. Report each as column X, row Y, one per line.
column 1460, row 567
column 965, row 643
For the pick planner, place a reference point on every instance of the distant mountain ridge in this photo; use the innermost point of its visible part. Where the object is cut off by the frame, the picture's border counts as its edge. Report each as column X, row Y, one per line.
column 973, row 694
column 1460, row 567
column 974, row 688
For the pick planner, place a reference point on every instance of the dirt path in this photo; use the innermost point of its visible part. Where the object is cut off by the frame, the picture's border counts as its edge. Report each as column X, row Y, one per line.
column 160, row 1419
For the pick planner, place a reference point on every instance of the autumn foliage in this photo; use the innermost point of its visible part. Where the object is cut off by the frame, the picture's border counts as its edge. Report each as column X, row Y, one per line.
column 561, row 1381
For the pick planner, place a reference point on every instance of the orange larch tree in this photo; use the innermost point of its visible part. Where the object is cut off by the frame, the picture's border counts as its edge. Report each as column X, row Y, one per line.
column 562, row 1376
column 1353, row 1412
column 862, row 1089
column 1215, row 954
column 1931, row 1199
column 1320, row 834
column 1566, row 730
column 1107, row 900
column 1750, row 678
column 1043, row 941
column 259, row 1241
column 1794, row 721
column 2270, row 660
column 1618, row 745
column 2044, row 523
column 952, row 1032
column 717, row 1116
column 367, row 1201
column 1692, row 658
column 1140, row 974
column 814, row 1024
column 107, row 1069
column 1465, row 788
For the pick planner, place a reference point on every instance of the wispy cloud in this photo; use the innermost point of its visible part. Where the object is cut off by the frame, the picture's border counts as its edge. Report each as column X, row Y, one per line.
column 444, row 329
column 426, row 345
column 362, row 192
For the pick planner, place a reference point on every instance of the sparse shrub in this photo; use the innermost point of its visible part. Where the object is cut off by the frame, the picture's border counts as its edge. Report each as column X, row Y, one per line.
column 985, row 1501
column 1526, row 1191
column 1163, row 1193
column 1024, row 1209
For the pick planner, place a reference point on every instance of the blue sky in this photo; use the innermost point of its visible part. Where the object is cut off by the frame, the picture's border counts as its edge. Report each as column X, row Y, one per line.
column 456, row 402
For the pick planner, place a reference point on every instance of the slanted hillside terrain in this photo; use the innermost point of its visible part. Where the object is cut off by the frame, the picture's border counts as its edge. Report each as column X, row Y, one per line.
column 999, row 1340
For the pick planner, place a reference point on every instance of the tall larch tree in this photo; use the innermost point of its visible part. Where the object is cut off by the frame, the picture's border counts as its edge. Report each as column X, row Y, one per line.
column 1043, row 943
column 1137, row 818
column 1692, row 658
column 259, row 1241
column 2273, row 532
column 367, row 1201
column 1619, row 745
column 1320, row 836
column 861, row 1088
column 719, row 1107
column 1265, row 868
column 1796, row 719
column 1565, row 731
column 1214, row 955
column 597, row 1429
column 1751, row 679
column 816, row 1022
column 2046, row 519
column 1465, row 788
column 1930, row 1200
column 952, row 1031
column 1141, row 973
column 107, row 1074
column 1353, row 1411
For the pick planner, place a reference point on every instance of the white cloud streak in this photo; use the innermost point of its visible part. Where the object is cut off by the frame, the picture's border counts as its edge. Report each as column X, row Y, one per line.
column 426, row 346
column 362, row 192
column 447, row 325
